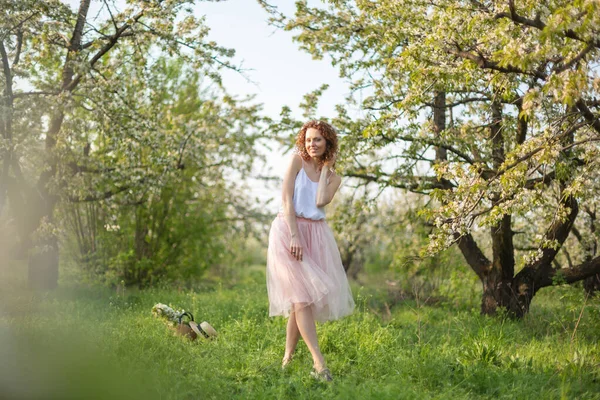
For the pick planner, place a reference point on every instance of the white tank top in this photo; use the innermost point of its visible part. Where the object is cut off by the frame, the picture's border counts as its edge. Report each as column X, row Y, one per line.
column 305, row 197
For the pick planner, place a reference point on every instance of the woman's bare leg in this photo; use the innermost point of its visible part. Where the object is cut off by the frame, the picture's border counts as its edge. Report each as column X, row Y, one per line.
column 306, row 325
column 291, row 338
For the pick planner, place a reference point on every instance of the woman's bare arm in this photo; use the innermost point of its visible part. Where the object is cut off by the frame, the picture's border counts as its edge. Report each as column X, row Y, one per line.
column 287, row 195
column 326, row 190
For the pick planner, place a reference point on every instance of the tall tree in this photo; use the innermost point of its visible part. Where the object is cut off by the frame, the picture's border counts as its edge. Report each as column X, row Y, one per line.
column 60, row 66
column 489, row 107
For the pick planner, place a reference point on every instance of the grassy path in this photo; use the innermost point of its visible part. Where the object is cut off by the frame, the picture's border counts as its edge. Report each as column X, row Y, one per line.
column 89, row 343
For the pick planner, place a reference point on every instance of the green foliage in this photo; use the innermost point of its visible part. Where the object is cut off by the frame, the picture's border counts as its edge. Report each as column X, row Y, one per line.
column 386, row 239
column 172, row 219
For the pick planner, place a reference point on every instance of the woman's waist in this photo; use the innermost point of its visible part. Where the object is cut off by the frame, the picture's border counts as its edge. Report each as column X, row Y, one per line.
column 302, row 218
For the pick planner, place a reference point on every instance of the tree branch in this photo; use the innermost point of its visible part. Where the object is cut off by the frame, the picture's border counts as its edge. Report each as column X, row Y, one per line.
column 6, row 108
column 577, row 234
column 18, row 26
column 473, row 255
column 436, row 143
column 559, row 231
column 574, row 274
column 546, row 179
column 575, row 59
column 521, row 122
column 75, row 42
column 19, row 47
column 7, row 73
column 76, row 168
column 106, row 195
column 6, row 113
column 533, row 152
column 91, row 42
column 428, row 182
column 112, row 41
column 112, row 18
column 484, row 63
column 461, row 102
column 192, row 47
column 37, row 93
column 588, row 115
column 538, row 24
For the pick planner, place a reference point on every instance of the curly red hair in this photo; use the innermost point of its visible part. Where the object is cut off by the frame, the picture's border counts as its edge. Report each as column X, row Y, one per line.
column 330, row 135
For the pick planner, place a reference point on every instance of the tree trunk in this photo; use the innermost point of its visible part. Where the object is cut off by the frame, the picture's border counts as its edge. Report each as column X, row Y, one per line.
column 41, row 236
column 510, row 295
column 44, row 256
column 6, row 111
column 497, row 279
column 439, row 123
column 592, row 285
column 347, row 256
column 43, row 265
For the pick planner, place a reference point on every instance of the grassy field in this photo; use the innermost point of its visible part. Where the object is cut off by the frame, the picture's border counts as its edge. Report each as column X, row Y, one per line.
column 93, row 343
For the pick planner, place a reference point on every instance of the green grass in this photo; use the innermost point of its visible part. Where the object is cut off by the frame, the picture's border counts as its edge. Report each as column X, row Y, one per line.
column 90, row 343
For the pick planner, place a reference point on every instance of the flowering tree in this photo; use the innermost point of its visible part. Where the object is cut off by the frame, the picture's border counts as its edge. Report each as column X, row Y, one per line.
column 490, row 108
column 95, row 107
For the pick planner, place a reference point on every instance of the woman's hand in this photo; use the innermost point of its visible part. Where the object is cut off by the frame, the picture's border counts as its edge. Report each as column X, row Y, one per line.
column 331, row 162
column 296, row 248
column 329, row 183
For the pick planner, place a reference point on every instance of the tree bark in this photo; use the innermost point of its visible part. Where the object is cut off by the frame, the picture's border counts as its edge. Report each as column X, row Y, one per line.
column 44, row 256
column 439, row 123
column 591, row 284
column 497, row 279
column 6, row 115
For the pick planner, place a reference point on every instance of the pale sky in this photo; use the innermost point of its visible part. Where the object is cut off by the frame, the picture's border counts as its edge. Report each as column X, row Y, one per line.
column 282, row 73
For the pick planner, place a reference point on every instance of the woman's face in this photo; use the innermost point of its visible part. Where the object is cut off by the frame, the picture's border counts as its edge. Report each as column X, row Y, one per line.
column 314, row 143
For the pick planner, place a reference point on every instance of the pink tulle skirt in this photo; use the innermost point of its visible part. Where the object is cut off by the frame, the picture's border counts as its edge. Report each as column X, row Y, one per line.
column 318, row 281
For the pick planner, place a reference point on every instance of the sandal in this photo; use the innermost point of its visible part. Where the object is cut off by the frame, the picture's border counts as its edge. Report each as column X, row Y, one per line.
column 286, row 362
column 322, row 375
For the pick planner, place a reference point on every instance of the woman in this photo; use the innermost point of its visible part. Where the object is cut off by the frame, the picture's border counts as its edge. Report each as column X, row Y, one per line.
column 305, row 277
